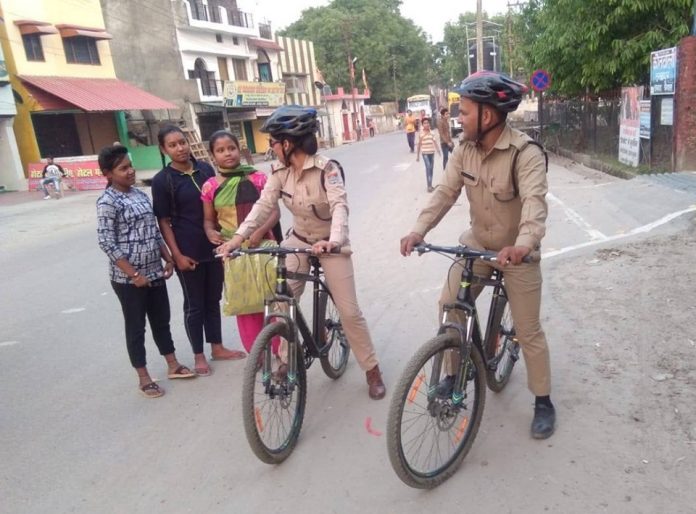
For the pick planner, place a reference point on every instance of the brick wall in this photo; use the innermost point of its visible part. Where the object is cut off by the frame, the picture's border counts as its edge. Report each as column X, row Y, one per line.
column 685, row 106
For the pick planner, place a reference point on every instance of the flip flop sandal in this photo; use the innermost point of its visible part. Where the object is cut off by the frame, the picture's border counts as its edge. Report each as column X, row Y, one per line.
column 151, row 390
column 203, row 372
column 181, row 372
column 234, row 355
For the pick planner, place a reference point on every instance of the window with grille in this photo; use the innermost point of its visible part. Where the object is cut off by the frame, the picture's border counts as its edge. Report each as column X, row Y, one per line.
column 32, row 47
column 198, row 10
column 81, row 50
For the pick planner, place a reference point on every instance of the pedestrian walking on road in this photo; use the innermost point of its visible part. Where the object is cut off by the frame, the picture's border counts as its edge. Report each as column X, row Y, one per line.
column 128, row 234
column 410, row 124
column 443, row 130
column 508, row 213
column 427, row 146
column 176, row 196
column 227, row 200
column 312, row 189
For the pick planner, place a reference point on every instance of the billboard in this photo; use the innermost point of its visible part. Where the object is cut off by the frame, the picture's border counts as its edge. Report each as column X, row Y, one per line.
column 645, row 119
column 239, row 93
column 629, row 129
column 663, row 71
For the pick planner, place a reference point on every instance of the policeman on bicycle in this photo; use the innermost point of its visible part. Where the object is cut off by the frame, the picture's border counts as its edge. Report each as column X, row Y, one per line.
column 312, row 189
column 508, row 213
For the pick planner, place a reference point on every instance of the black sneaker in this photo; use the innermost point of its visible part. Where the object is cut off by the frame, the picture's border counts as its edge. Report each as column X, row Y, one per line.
column 544, row 422
column 445, row 387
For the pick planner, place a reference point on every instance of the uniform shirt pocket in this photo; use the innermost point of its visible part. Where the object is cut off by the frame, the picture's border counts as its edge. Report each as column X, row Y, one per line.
column 502, row 189
column 322, row 210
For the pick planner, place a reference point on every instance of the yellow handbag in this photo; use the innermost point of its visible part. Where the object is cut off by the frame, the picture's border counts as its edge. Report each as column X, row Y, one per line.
column 249, row 280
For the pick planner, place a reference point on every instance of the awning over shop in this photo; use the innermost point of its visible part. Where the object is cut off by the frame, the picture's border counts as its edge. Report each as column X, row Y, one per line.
column 90, row 94
column 27, row 27
column 78, row 30
column 265, row 43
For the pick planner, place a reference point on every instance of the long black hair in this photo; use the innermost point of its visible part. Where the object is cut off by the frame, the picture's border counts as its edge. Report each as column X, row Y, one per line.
column 165, row 131
column 110, row 157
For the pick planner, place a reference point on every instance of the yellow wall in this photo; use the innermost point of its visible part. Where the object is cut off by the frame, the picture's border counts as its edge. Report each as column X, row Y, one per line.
column 260, row 139
column 87, row 13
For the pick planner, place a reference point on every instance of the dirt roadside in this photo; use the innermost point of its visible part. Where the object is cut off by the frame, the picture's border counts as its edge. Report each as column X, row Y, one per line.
column 625, row 315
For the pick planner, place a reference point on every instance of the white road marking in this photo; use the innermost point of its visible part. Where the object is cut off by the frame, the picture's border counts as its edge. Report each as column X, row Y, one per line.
column 73, row 311
column 577, row 219
column 638, row 230
column 401, row 167
column 9, row 343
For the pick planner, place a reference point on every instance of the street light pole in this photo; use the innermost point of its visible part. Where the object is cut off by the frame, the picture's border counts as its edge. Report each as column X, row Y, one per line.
column 351, row 63
column 326, row 90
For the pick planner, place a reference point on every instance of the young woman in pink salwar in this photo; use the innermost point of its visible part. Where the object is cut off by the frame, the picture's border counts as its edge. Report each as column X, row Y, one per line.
column 227, row 199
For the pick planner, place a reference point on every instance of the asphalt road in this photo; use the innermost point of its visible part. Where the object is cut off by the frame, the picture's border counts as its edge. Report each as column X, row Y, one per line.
column 77, row 436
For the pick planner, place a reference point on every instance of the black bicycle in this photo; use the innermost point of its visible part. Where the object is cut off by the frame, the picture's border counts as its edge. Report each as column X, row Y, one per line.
column 437, row 405
column 274, row 390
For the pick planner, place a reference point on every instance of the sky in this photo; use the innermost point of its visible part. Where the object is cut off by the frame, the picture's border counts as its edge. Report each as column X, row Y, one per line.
column 430, row 15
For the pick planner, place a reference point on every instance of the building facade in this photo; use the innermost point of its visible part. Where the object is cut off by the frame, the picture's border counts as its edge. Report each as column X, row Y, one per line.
column 69, row 101
column 215, row 62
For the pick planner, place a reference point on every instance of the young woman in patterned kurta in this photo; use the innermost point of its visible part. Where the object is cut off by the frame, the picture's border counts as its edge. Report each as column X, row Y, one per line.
column 227, row 199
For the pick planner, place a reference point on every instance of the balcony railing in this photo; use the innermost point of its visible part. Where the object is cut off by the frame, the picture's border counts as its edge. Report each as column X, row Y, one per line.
column 240, row 19
column 202, row 12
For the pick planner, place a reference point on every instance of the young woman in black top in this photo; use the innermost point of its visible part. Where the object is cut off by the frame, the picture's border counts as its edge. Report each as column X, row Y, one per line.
column 176, row 196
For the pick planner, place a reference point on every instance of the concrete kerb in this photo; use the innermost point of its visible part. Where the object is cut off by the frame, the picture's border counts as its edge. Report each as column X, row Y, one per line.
column 597, row 164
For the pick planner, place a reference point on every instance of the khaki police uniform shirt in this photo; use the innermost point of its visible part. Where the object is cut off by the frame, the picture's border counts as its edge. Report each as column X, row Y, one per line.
column 318, row 214
column 498, row 217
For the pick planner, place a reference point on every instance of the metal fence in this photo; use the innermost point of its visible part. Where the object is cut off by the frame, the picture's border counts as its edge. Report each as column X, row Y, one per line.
column 592, row 127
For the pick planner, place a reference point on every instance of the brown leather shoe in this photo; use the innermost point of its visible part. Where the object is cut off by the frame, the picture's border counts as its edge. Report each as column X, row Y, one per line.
column 375, row 386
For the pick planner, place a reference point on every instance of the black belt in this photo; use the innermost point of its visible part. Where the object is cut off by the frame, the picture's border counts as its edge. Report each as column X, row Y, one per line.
column 302, row 238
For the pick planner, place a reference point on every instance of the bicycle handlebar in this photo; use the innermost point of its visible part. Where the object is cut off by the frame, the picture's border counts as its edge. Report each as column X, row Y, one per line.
column 276, row 251
column 464, row 252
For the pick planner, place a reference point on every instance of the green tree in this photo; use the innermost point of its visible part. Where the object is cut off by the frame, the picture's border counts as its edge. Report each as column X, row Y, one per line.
column 599, row 45
column 386, row 45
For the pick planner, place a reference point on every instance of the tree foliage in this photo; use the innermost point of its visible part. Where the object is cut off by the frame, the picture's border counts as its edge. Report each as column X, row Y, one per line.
column 386, row 44
column 598, row 45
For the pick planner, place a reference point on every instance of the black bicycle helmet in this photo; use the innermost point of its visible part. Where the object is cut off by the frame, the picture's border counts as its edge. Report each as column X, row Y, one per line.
column 492, row 88
column 291, row 120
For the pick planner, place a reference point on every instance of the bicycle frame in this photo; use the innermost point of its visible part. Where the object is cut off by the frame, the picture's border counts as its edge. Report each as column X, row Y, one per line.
column 312, row 344
column 471, row 332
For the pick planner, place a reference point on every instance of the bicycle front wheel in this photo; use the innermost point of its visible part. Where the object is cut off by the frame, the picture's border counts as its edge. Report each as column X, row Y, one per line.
column 335, row 361
column 504, row 351
column 273, row 404
column 430, row 427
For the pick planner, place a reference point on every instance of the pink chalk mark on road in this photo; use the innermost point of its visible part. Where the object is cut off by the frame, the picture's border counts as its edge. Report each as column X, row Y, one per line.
column 370, row 430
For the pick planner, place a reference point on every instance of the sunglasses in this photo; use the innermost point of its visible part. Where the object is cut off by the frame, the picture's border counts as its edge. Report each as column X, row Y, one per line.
column 272, row 142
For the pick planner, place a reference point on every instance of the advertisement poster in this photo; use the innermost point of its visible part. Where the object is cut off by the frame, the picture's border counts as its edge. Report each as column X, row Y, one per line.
column 663, row 71
column 645, row 119
column 239, row 93
column 629, row 130
column 82, row 174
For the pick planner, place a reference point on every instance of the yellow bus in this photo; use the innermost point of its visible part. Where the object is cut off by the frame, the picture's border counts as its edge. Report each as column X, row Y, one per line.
column 418, row 103
column 453, row 106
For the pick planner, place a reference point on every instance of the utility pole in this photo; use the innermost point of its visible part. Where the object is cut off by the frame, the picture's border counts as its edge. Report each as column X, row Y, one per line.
column 396, row 91
column 351, row 69
column 479, row 35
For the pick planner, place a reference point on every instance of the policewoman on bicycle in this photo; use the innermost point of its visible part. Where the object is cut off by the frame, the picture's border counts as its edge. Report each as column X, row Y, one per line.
column 312, row 189
column 508, row 213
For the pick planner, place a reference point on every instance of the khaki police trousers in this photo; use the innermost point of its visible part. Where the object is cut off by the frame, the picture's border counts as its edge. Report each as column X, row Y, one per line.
column 339, row 275
column 523, row 286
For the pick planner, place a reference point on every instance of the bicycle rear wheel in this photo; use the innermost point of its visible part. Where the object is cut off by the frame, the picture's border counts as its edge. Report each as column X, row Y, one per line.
column 334, row 363
column 429, row 431
column 272, row 408
column 503, row 351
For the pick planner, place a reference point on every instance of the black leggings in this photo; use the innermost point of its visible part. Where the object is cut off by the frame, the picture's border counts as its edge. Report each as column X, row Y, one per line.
column 136, row 303
column 202, row 289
